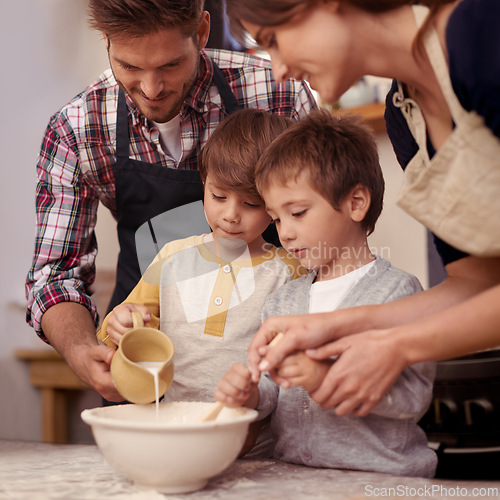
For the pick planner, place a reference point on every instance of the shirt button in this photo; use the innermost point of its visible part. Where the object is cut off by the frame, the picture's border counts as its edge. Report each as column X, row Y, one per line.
column 218, row 301
column 227, row 268
column 307, row 455
column 305, row 404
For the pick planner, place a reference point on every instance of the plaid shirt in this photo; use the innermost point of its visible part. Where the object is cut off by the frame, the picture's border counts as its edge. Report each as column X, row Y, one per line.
column 79, row 150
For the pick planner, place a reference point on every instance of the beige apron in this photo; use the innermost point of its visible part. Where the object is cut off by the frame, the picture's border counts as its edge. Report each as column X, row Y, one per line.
column 457, row 193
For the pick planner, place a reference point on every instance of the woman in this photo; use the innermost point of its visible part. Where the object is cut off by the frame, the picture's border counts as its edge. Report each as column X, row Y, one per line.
column 333, row 43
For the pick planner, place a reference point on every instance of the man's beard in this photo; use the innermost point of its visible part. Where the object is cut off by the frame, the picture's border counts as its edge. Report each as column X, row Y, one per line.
column 167, row 110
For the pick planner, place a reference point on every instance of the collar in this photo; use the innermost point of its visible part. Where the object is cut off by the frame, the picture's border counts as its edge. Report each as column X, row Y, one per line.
column 208, row 255
column 198, row 96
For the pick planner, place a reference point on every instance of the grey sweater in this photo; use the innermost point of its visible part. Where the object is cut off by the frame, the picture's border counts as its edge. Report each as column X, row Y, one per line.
column 388, row 439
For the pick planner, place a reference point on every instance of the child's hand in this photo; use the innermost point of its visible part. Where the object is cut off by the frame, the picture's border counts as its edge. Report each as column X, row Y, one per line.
column 298, row 369
column 237, row 389
column 120, row 320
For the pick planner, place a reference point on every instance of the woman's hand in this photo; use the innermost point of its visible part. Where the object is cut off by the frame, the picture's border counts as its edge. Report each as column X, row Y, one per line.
column 375, row 343
column 120, row 320
column 368, row 364
column 301, row 333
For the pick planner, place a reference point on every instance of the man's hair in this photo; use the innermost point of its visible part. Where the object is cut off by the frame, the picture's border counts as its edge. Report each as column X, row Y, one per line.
column 233, row 149
column 137, row 18
column 338, row 153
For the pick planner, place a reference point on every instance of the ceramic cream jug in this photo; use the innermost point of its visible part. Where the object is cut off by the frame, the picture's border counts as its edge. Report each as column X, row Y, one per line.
column 138, row 347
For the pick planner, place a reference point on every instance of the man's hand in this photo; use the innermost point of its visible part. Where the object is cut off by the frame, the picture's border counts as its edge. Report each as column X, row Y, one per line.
column 70, row 329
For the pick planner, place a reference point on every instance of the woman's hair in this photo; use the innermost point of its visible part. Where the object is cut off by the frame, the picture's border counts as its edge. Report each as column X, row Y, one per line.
column 337, row 153
column 136, row 18
column 235, row 146
column 277, row 12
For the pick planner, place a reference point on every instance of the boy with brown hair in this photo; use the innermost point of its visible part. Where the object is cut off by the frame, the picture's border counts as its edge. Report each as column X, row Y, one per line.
column 206, row 292
column 131, row 140
column 323, row 187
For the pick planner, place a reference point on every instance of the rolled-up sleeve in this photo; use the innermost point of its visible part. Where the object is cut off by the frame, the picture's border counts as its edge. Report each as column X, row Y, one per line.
column 63, row 265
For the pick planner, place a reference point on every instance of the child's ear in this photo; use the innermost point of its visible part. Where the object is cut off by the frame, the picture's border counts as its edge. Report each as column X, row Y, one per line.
column 360, row 200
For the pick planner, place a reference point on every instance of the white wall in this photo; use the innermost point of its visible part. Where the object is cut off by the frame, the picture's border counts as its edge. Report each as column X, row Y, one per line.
column 49, row 54
column 397, row 236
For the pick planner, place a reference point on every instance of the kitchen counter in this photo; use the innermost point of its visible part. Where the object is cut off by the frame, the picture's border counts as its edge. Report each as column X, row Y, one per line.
column 39, row 471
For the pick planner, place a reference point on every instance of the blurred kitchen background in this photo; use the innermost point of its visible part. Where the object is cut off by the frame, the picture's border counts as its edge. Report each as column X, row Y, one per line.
column 49, row 55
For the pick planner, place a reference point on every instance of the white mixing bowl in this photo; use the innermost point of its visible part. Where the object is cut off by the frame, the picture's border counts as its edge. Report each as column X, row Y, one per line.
column 170, row 452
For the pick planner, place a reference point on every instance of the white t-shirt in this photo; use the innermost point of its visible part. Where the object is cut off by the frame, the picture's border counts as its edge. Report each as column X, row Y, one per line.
column 325, row 296
column 170, row 137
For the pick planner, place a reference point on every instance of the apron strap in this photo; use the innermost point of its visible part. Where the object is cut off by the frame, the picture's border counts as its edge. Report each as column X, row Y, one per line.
column 439, row 64
column 122, row 134
column 122, row 144
column 230, row 102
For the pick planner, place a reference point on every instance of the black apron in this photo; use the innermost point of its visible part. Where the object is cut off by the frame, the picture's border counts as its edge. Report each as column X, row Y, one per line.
column 145, row 190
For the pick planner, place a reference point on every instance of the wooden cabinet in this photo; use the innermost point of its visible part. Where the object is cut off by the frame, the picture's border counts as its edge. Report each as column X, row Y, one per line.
column 50, row 373
column 372, row 113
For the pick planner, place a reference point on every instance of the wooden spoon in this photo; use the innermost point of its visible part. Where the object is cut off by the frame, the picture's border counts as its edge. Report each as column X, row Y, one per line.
column 213, row 412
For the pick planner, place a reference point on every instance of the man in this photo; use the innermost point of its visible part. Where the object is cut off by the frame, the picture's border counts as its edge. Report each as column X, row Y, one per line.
column 131, row 140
